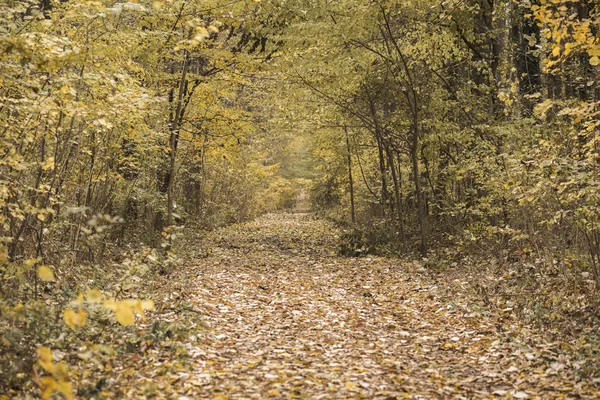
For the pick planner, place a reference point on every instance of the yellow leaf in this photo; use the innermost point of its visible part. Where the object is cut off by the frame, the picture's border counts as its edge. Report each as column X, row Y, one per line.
column 45, row 359
column 66, row 388
column 556, row 51
column 594, row 61
column 48, row 386
column 75, row 319
column 568, row 47
column 48, row 164
column 3, row 255
column 594, row 51
column 69, row 317
column 124, row 314
column 94, row 296
column 81, row 317
column 147, row 305
column 45, row 274
column 351, row 386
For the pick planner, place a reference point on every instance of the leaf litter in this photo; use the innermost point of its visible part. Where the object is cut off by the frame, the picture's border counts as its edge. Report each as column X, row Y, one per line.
column 271, row 311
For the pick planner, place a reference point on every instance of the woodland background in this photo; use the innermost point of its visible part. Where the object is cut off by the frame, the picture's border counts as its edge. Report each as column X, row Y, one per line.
column 463, row 133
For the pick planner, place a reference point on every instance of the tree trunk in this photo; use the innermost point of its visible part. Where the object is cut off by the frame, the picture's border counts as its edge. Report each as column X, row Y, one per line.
column 382, row 169
column 421, row 213
column 174, row 129
column 397, row 194
column 350, row 178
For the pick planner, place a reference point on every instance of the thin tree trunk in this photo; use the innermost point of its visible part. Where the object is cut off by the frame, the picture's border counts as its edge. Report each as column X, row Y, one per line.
column 174, row 128
column 421, row 212
column 397, row 195
column 382, row 169
column 350, row 179
column 401, row 202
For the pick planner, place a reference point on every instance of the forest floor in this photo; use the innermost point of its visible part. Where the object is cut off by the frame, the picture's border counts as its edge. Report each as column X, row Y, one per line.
column 269, row 310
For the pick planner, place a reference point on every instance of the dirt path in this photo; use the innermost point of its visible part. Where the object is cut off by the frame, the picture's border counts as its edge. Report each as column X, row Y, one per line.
column 281, row 316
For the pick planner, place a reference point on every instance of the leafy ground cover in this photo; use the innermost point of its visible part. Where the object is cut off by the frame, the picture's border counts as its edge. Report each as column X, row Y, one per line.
column 270, row 310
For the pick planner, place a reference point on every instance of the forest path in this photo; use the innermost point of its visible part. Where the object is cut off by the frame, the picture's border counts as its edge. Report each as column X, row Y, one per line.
column 285, row 317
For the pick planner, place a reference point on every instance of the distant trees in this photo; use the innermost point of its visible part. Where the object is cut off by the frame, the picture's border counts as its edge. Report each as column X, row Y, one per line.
column 101, row 103
column 471, row 121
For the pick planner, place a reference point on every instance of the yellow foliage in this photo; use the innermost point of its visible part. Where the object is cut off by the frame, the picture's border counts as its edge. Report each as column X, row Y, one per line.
column 124, row 314
column 75, row 319
column 45, row 274
column 147, row 305
column 45, row 359
column 124, row 309
column 59, row 381
column 594, row 51
column 48, row 164
column 139, row 306
column 48, row 385
column 66, row 388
